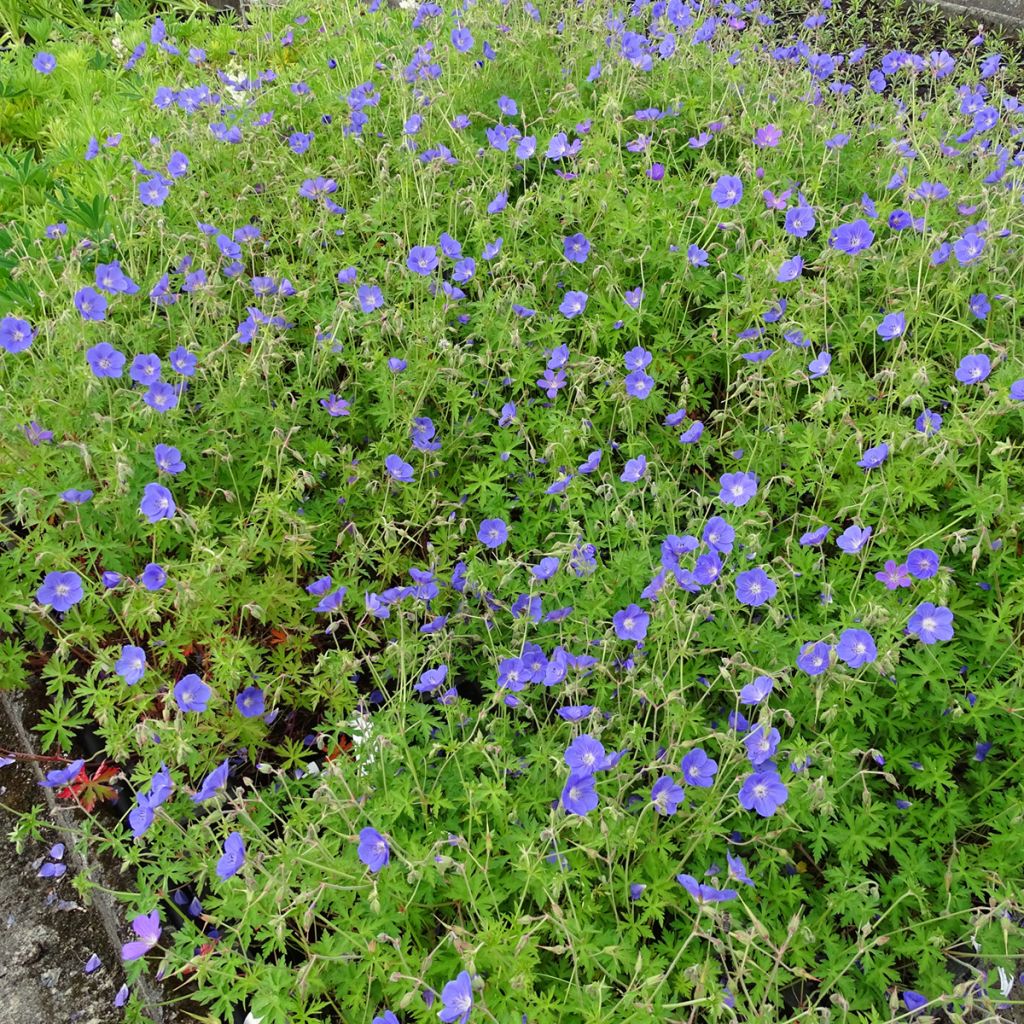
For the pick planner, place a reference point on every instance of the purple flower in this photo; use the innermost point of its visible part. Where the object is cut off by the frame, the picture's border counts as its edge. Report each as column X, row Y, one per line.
column 154, row 191
column 914, row 1001
column 814, row 658
column 91, row 304
column 335, row 406
column 457, row 1000
column 853, row 538
column 727, row 191
column 874, row 457
column 931, row 623
column 973, row 369
column 922, row 563
column 462, row 39
column 105, row 360
column 856, row 647
column 61, row 590
column 145, row 369
column 157, row 503
column 767, row 137
column 373, row 849
column 131, row 666
column 639, row 384
column 63, row 776
column 573, row 304
column 753, row 693
column 161, row 396
column 576, row 248
column 250, row 702
column 76, row 497
column 423, row 259
column 737, row 488
column 704, row 893
column 698, row 769
column 153, row 576
column 233, row 857
column 216, row 780
column 790, row 270
column 755, row 587
column 147, row 928
column 44, row 62
column 168, row 459
column 492, row 533
column 16, row 335
column 893, row 325
column 398, row 469
column 814, row 537
column 1017, row 390
column 980, row 306
column 852, row 238
column 761, row 745
column 799, row 221
column 893, row 575
column 667, row 795
column 631, row 623
column 634, row 470
column 370, row 297
column 763, row 792
column 332, row 601
column 579, row 795
column 585, row 755
column 719, row 535
column 928, row 423
column 191, row 693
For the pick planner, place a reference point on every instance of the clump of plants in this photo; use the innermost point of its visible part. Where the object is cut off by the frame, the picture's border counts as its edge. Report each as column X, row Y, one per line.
column 528, row 501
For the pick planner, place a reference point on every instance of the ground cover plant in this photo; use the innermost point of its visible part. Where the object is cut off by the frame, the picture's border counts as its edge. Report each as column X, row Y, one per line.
column 528, row 500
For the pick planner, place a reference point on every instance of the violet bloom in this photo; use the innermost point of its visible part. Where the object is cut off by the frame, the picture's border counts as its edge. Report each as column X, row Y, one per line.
column 727, row 191
column 147, row 928
column 576, row 248
column 191, row 693
column 573, row 304
column 61, row 590
column 492, row 533
column 462, row 39
column 131, row 666
column 250, row 702
column 753, row 693
column 922, row 563
column 373, row 849
column 893, row 575
column 44, row 62
column 874, row 457
column 814, row 537
column 814, row 658
column 856, row 647
column 928, row 423
column 335, row 406
column 852, row 238
column 755, row 587
column 105, row 361
column 153, row 576
column 233, row 857
column 635, row 470
column 423, row 259
column 157, row 503
column 579, row 795
column 767, row 137
column 931, row 623
column 761, row 745
column 168, row 459
column 639, row 384
column 398, row 469
column 91, row 304
column 698, row 769
column 585, row 755
column 76, row 497
column 973, row 369
column 667, row 795
column 631, row 623
column 737, row 488
column 63, row 776
column 16, row 335
column 853, row 539
column 893, row 326
column 763, row 792
column 457, row 1000
column 704, row 893
column 370, row 297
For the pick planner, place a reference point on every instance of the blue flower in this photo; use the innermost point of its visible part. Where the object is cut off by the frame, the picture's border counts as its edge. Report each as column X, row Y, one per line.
column 191, row 693
column 157, row 503
column 974, row 368
column 492, row 533
column 874, row 457
column 61, row 590
column 755, row 587
column 727, row 191
column 579, row 795
column 131, row 666
column 398, row 469
column 457, row 1000
column 233, row 858
column 856, row 647
column 250, row 702
column 373, row 849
